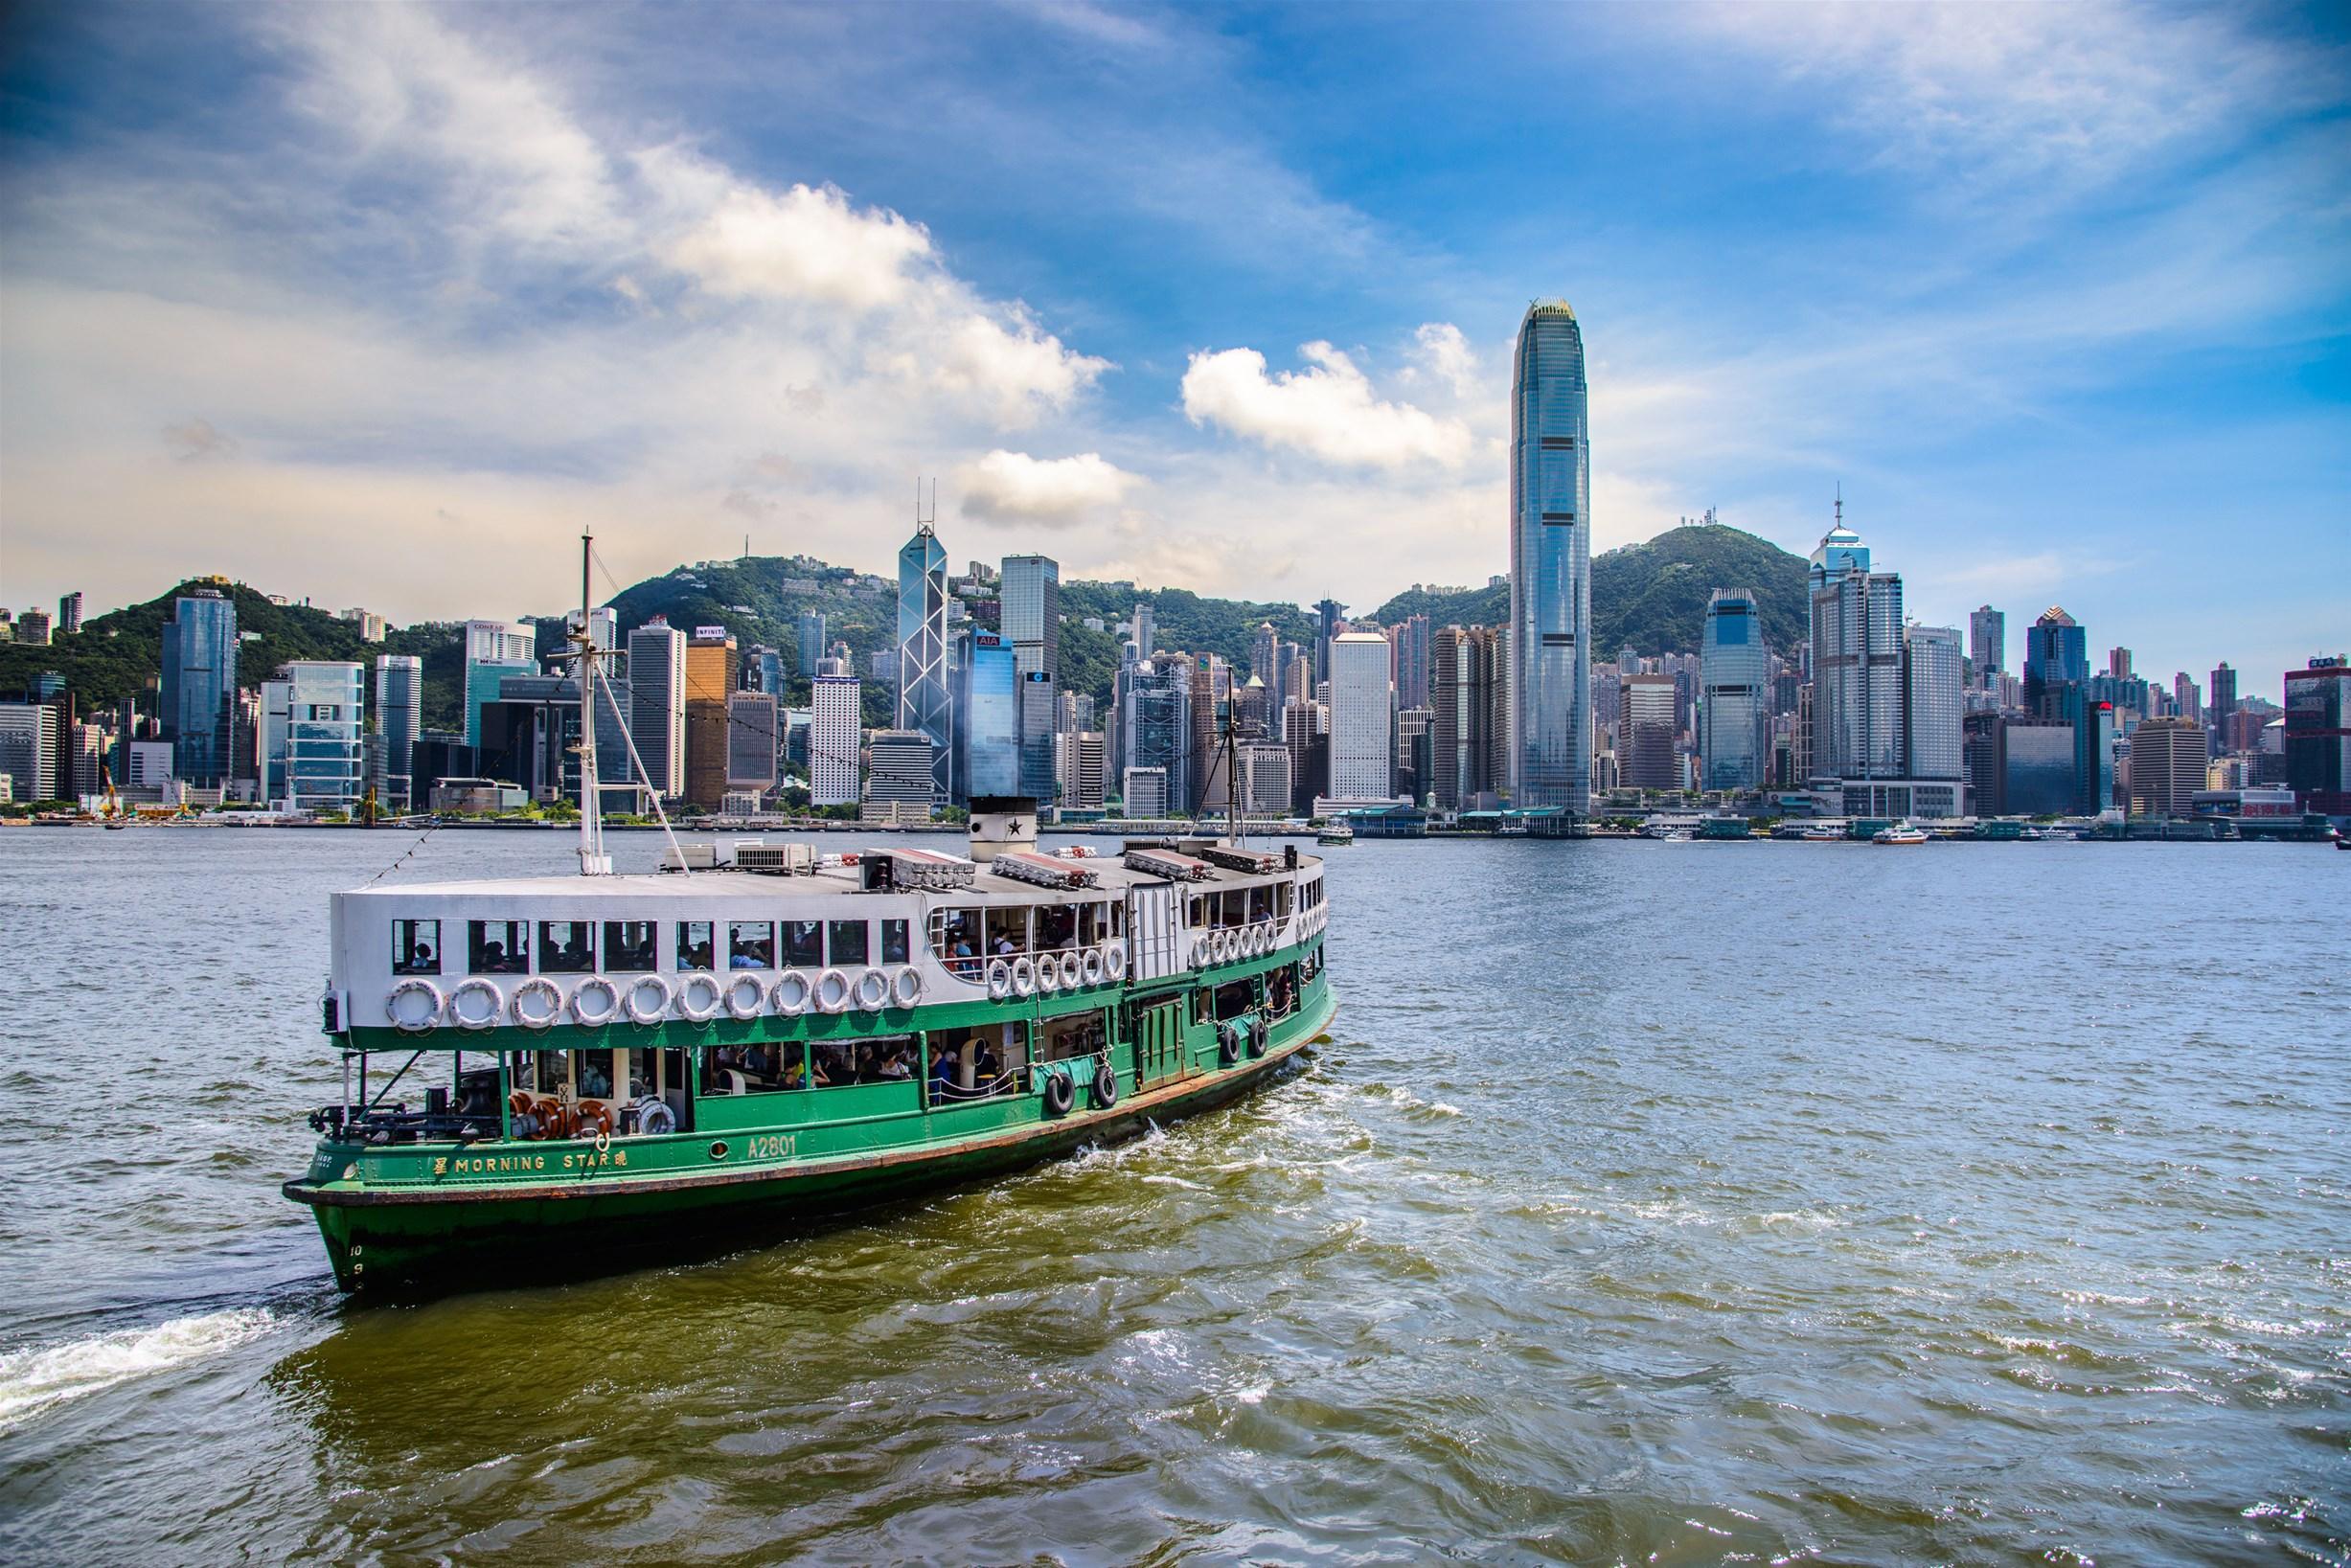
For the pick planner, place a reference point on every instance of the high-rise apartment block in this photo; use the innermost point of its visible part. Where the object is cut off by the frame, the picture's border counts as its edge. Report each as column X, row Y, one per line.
column 1933, row 704
column 28, row 750
column 1550, row 565
column 811, row 627
column 69, row 613
column 1987, row 643
column 835, row 702
column 1469, row 756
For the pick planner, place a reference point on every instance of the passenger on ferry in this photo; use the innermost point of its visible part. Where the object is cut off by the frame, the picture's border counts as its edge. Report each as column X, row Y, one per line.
column 595, row 1075
column 897, row 1069
column 696, row 954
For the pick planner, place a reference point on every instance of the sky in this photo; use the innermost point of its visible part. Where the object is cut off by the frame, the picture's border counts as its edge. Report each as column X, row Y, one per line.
column 381, row 305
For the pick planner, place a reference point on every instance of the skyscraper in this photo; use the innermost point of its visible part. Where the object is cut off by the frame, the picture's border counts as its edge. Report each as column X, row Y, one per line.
column 1857, row 661
column 2318, row 734
column 1156, row 725
column 2224, row 706
column 493, row 650
column 1030, row 618
column 987, row 720
column 1988, row 644
column 69, row 613
column 2167, row 767
column 1362, row 754
column 1734, row 703
column 1645, row 733
column 752, row 719
column 200, row 686
column 1933, row 704
column 1550, row 565
column 812, row 640
column 1467, row 756
column 657, row 703
column 1329, row 615
column 310, row 737
column 925, row 703
column 710, row 678
column 833, row 740
column 2119, row 663
column 2056, row 653
column 1413, row 641
column 400, row 713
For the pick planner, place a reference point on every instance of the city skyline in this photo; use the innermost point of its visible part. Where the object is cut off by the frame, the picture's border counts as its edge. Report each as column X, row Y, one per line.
column 1294, row 326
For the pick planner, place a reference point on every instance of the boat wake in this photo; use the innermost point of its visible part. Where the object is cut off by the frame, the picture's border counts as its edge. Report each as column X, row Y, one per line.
column 36, row 1377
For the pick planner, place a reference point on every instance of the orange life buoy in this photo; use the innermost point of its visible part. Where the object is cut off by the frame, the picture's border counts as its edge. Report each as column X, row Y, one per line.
column 591, row 1116
column 556, row 1117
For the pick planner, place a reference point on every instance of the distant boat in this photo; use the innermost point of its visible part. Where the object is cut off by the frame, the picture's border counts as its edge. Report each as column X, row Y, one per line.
column 1822, row 834
column 1335, row 833
column 1901, row 833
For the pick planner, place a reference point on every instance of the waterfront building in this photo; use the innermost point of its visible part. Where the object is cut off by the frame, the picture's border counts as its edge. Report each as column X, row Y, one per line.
column 1031, row 617
column 2037, row 769
column 900, row 776
column 312, row 718
column 925, row 696
column 2224, row 706
column 69, row 614
column 1415, row 753
column 1734, row 705
column 495, row 649
column 987, row 719
column 1155, row 723
column 1468, row 758
column 531, row 739
column 2167, row 767
column 1361, row 747
column 710, row 680
column 657, row 693
column 148, row 766
column 399, row 716
column 835, row 704
column 1038, row 710
column 1081, row 760
column 1645, row 757
column 811, row 627
column 1932, row 703
column 1212, row 686
column 1145, row 791
column 1980, row 756
column 2055, row 655
column 751, row 742
column 2316, row 736
column 1265, row 778
column 1413, row 638
column 200, row 686
column 1857, row 661
column 28, row 750
column 1987, row 644
column 1549, row 724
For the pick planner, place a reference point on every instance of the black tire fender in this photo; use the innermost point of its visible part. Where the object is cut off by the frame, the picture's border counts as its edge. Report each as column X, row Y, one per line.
column 1105, row 1086
column 1060, row 1094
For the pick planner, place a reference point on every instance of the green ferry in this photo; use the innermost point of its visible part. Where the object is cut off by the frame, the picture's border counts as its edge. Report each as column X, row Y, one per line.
column 570, row 1069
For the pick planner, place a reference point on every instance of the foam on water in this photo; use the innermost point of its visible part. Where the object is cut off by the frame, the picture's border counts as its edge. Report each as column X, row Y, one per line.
column 34, row 1378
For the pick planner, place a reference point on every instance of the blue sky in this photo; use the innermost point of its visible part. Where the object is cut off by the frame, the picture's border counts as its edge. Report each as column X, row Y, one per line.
column 379, row 304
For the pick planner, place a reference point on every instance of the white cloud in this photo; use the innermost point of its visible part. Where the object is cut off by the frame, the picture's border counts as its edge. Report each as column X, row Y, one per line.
column 1440, row 351
column 1328, row 411
column 1054, row 491
column 801, row 244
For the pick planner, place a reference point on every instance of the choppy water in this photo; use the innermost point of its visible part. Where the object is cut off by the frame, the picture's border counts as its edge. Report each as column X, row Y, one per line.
column 1674, row 1203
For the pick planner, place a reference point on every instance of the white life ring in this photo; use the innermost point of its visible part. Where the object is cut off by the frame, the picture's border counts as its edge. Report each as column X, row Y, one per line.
column 1199, row 952
column 1090, row 966
column 792, row 995
column 906, row 988
column 873, row 991
column 1048, row 974
column 834, row 991
column 655, row 1118
column 415, row 1019
column 647, row 998
column 1261, row 939
column 609, row 1002
column 746, row 997
column 1024, row 977
column 699, row 997
column 1114, row 960
column 1221, row 946
column 550, row 999
column 1073, row 971
column 489, row 1003
column 999, row 979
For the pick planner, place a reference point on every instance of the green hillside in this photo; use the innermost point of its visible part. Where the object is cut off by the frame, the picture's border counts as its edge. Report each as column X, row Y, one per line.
column 1653, row 595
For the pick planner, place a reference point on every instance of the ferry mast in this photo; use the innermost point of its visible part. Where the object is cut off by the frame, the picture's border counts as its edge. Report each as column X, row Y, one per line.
column 593, row 860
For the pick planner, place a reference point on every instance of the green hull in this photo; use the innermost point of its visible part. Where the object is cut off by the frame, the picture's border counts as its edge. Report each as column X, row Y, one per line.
column 439, row 1219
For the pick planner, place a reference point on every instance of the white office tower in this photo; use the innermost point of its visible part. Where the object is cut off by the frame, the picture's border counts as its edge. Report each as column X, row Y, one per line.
column 1934, row 702
column 1081, row 764
column 1145, row 791
column 1362, row 750
column 835, row 702
column 657, row 704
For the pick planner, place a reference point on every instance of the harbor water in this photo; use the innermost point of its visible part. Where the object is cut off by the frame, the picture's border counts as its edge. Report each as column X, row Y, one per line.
column 1651, row 1202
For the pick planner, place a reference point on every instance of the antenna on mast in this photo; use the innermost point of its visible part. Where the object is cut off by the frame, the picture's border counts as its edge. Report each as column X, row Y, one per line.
column 919, row 519
column 593, row 861
column 1840, row 503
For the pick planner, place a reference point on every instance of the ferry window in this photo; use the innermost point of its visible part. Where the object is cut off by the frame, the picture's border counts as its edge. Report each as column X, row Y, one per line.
column 1196, row 914
column 1235, row 999
column 1312, row 964
column 695, row 945
column 1007, row 931
column 757, row 1068
column 566, row 946
column 1091, row 919
column 750, row 945
column 804, row 945
column 1261, row 904
column 592, row 1074
column 416, row 946
column 1118, row 922
column 629, row 945
column 1056, row 927
column 894, row 941
column 975, row 1062
column 1282, row 901
column 499, row 946
column 1282, row 991
column 847, row 940
column 835, row 1064
column 1080, row 1034
column 1200, row 1006
column 547, row 1072
column 955, row 934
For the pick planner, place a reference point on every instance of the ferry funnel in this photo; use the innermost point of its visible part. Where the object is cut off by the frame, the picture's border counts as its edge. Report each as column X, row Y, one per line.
column 1001, row 822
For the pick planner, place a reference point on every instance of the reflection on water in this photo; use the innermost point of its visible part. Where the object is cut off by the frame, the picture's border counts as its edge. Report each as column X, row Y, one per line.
column 1625, row 1217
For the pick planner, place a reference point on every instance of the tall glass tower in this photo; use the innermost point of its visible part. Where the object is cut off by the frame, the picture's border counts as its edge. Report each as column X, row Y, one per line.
column 1734, row 715
column 1550, row 565
column 199, row 686
column 925, row 703
column 1857, row 660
